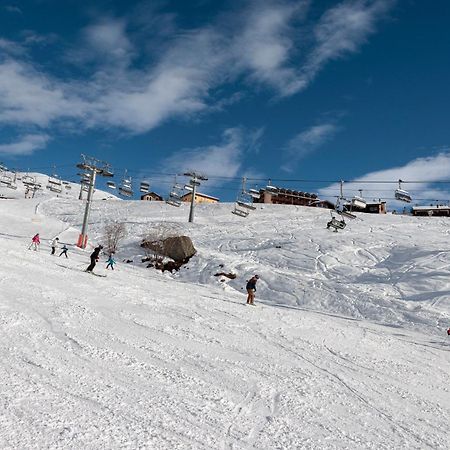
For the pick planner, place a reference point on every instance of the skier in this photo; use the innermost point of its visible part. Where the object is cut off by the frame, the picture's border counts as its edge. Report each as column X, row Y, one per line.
column 251, row 289
column 94, row 258
column 64, row 251
column 35, row 242
column 54, row 245
column 111, row 261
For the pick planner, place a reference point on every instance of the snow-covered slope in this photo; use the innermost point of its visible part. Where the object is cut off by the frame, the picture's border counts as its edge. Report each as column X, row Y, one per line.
column 17, row 189
column 345, row 348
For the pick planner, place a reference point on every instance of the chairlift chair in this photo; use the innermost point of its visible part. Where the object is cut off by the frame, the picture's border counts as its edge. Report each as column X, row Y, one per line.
column 111, row 184
column 401, row 194
column 7, row 180
column 336, row 224
column 239, row 212
column 125, row 188
column 246, row 205
column 342, row 210
column 144, row 187
column 176, row 192
column 254, row 193
column 359, row 202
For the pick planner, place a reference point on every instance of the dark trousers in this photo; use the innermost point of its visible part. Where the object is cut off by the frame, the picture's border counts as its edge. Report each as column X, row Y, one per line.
column 64, row 252
column 110, row 265
column 92, row 265
column 53, row 250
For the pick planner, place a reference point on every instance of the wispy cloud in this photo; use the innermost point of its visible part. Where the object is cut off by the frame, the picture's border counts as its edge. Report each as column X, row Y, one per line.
column 426, row 170
column 224, row 159
column 342, row 30
column 25, row 145
column 306, row 142
column 184, row 77
column 13, row 9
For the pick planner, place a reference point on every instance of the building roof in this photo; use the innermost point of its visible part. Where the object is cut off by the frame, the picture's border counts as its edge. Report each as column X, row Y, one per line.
column 430, row 208
column 199, row 194
column 153, row 194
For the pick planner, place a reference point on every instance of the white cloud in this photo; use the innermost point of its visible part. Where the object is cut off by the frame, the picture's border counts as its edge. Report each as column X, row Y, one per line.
column 264, row 46
column 107, row 41
column 342, row 30
column 218, row 160
column 427, row 170
column 183, row 79
column 30, row 97
column 306, row 143
column 26, row 145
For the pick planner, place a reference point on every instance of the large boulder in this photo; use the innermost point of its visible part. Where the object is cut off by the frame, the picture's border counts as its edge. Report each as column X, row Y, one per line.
column 178, row 248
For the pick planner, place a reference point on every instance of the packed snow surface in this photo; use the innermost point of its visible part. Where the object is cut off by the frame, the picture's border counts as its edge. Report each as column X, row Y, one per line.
column 345, row 349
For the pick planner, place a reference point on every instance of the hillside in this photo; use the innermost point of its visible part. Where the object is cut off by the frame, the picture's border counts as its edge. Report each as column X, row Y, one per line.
column 345, row 349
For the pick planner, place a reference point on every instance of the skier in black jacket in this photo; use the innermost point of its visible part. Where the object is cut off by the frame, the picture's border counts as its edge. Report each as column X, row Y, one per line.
column 94, row 258
column 251, row 289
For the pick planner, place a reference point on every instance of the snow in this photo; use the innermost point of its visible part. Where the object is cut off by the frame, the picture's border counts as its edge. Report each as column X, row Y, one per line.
column 346, row 347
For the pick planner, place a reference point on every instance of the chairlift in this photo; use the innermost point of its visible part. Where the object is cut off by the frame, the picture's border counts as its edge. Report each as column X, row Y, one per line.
column 7, row 180
column 254, row 193
column 358, row 202
column 271, row 189
column 54, row 184
column 176, row 192
column 111, row 184
column 401, row 194
column 68, row 186
column 336, row 224
column 341, row 209
column 239, row 212
column 125, row 188
column 144, row 187
column 246, row 205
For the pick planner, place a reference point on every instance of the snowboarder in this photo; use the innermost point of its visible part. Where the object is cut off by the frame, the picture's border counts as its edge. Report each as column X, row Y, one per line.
column 64, row 251
column 54, row 245
column 35, row 242
column 111, row 261
column 251, row 289
column 94, row 258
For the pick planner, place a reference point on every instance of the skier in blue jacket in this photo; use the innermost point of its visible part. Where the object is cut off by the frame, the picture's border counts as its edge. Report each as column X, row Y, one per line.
column 111, row 261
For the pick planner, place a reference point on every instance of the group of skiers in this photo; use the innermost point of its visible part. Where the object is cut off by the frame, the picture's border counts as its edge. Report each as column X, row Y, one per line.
column 36, row 242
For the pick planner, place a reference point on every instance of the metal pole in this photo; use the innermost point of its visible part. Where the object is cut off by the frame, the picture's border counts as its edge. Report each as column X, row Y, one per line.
column 194, row 189
column 82, row 241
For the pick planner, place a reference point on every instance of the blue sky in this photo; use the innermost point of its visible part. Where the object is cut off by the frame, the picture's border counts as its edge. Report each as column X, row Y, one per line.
column 281, row 90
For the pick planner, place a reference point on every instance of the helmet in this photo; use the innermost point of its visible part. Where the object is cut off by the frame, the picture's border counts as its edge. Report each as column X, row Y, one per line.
column 256, row 276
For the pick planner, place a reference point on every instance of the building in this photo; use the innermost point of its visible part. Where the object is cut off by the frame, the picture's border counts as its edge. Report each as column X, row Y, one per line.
column 152, row 197
column 432, row 210
column 280, row 196
column 371, row 208
column 199, row 198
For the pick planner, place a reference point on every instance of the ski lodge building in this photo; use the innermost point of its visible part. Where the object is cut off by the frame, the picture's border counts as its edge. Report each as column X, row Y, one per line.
column 432, row 210
column 151, row 197
column 199, row 198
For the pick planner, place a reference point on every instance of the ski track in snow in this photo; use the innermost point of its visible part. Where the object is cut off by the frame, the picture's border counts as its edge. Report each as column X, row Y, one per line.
column 344, row 349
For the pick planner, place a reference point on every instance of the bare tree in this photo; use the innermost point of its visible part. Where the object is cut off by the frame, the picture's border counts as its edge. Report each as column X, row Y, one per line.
column 114, row 233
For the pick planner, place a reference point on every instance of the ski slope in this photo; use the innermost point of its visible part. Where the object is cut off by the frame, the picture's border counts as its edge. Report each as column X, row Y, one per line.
column 345, row 349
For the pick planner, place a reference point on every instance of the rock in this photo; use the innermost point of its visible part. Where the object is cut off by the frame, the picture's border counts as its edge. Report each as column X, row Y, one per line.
column 231, row 276
column 178, row 248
